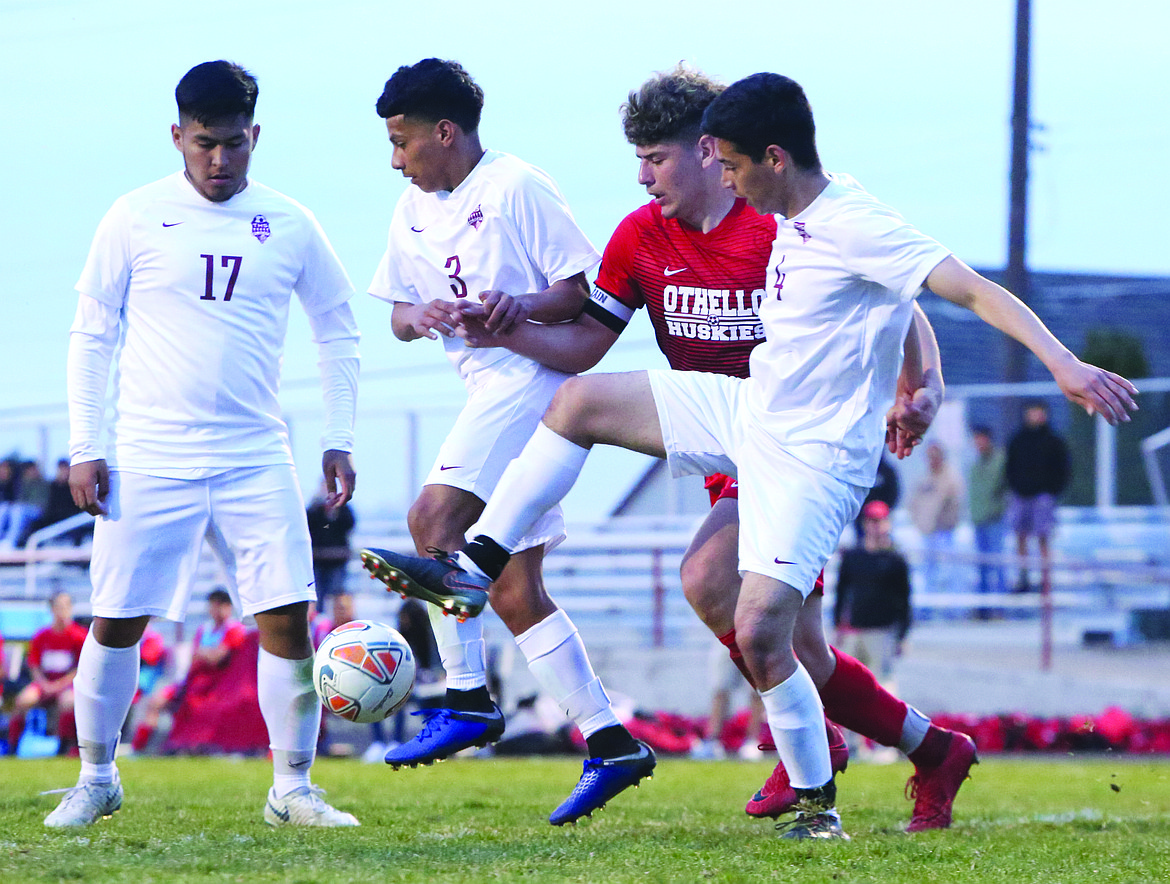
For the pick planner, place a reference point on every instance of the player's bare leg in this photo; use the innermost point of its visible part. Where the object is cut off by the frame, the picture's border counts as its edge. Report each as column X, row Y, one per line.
column 765, row 619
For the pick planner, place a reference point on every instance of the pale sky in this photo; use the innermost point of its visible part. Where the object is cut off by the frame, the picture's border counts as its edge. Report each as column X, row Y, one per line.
column 911, row 98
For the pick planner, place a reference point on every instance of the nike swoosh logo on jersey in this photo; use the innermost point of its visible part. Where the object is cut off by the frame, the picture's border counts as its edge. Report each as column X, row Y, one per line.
column 778, row 562
column 448, row 468
column 666, row 271
column 174, row 224
column 419, row 229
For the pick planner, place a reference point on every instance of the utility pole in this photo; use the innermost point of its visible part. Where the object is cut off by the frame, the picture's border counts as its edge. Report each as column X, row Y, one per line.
column 1016, row 275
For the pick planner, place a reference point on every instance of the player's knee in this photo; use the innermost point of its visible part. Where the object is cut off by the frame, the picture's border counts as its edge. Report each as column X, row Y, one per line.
column 704, row 585
column 577, row 408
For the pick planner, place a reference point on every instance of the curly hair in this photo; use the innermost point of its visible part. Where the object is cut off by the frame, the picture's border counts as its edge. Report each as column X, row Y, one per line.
column 433, row 89
column 669, row 106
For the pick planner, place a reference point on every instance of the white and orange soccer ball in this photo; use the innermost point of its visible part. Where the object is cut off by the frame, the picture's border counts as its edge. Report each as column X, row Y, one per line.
column 363, row 671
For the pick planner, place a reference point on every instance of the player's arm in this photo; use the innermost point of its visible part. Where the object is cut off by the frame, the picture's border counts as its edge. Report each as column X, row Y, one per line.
column 92, row 340
column 1094, row 389
column 560, row 302
column 409, row 322
column 336, row 335
column 570, row 347
column 920, row 389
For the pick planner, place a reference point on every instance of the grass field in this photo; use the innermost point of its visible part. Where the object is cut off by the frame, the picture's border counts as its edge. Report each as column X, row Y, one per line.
column 1018, row 821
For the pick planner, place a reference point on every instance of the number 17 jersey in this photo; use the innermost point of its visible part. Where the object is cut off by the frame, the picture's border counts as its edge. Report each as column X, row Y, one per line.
column 204, row 289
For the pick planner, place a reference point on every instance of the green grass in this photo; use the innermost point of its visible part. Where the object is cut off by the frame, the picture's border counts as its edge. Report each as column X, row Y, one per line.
column 474, row 821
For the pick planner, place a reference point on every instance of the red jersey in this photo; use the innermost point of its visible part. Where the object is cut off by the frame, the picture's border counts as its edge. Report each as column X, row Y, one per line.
column 56, row 653
column 701, row 290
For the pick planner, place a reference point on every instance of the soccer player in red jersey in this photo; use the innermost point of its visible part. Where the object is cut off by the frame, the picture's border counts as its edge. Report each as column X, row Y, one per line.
column 52, row 659
column 695, row 257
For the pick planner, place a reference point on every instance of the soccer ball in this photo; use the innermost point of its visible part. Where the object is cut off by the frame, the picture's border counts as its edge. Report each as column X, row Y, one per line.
column 363, row 671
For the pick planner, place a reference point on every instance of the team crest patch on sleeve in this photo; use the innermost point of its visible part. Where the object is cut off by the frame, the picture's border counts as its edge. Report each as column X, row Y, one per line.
column 476, row 217
column 260, row 228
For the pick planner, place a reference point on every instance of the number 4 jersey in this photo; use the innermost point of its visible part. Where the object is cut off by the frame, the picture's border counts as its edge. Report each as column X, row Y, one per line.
column 203, row 289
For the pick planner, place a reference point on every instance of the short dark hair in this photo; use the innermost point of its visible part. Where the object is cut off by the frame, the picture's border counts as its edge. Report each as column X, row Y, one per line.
column 215, row 90
column 669, row 107
column 982, row 430
column 433, row 89
column 219, row 594
column 762, row 110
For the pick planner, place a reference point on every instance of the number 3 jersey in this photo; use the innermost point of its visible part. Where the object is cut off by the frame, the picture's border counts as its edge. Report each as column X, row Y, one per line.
column 204, row 289
column 506, row 228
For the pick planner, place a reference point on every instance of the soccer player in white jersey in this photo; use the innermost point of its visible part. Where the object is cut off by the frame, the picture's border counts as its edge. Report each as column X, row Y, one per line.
column 194, row 273
column 483, row 225
column 804, row 431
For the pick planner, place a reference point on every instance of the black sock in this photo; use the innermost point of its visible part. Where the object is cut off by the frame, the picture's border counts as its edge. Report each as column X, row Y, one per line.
column 475, row 700
column 823, row 797
column 611, row 742
column 488, row 555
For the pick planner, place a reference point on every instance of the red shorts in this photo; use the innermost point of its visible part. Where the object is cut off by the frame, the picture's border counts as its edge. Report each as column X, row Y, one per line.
column 723, row 487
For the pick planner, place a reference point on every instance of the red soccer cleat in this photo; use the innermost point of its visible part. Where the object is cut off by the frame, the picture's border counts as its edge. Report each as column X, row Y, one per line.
column 934, row 789
column 777, row 797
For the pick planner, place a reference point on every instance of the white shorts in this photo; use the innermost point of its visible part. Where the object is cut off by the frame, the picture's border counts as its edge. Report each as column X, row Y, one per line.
column 145, row 553
column 504, row 405
column 791, row 515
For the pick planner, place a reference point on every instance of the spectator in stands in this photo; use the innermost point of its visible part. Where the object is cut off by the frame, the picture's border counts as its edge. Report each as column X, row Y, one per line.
column 52, row 661
column 341, row 611
column 1038, row 471
column 872, row 610
column 31, row 496
column 935, row 504
column 7, row 492
column 58, row 507
column 886, row 488
column 987, row 500
column 329, row 531
column 214, row 643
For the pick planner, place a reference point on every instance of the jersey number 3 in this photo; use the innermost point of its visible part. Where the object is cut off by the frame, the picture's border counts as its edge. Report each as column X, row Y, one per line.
column 208, row 284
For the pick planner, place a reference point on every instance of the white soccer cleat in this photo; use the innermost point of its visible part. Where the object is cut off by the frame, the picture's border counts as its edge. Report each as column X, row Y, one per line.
column 85, row 804
column 304, row 807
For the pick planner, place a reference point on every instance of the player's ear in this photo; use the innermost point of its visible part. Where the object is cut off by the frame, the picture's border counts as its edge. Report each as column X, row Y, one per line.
column 776, row 157
column 706, row 149
column 255, row 135
column 177, row 136
column 445, row 131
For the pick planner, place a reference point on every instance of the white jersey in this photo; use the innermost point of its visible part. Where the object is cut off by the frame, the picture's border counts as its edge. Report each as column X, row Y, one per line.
column 204, row 290
column 842, row 278
column 506, row 227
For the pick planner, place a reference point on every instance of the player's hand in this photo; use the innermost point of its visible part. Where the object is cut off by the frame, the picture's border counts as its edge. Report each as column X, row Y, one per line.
column 503, row 312
column 89, row 483
column 437, row 316
column 473, row 326
column 340, row 479
column 1096, row 390
column 911, row 415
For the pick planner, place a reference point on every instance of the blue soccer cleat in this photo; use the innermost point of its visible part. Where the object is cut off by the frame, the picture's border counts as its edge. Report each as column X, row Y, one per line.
column 445, row 732
column 601, row 780
column 439, row 581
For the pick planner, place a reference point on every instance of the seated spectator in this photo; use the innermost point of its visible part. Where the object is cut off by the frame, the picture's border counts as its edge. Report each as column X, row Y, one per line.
column 29, row 493
column 340, row 613
column 52, row 661
column 213, row 647
column 58, row 507
column 7, row 493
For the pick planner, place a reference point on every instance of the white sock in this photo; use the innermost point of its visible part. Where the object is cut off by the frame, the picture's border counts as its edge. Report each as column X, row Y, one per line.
column 914, row 728
column 461, row 648
column 292, row 714
column 797, row 722
column 103, row 689
column 557, row 658
column 533, row 483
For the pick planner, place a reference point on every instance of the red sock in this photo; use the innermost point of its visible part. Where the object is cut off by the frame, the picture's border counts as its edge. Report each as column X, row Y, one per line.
column 728, row 641
column 15, row 729
column 933, row 748
column 854, row 699
column 67, row 727
column 142, row 735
